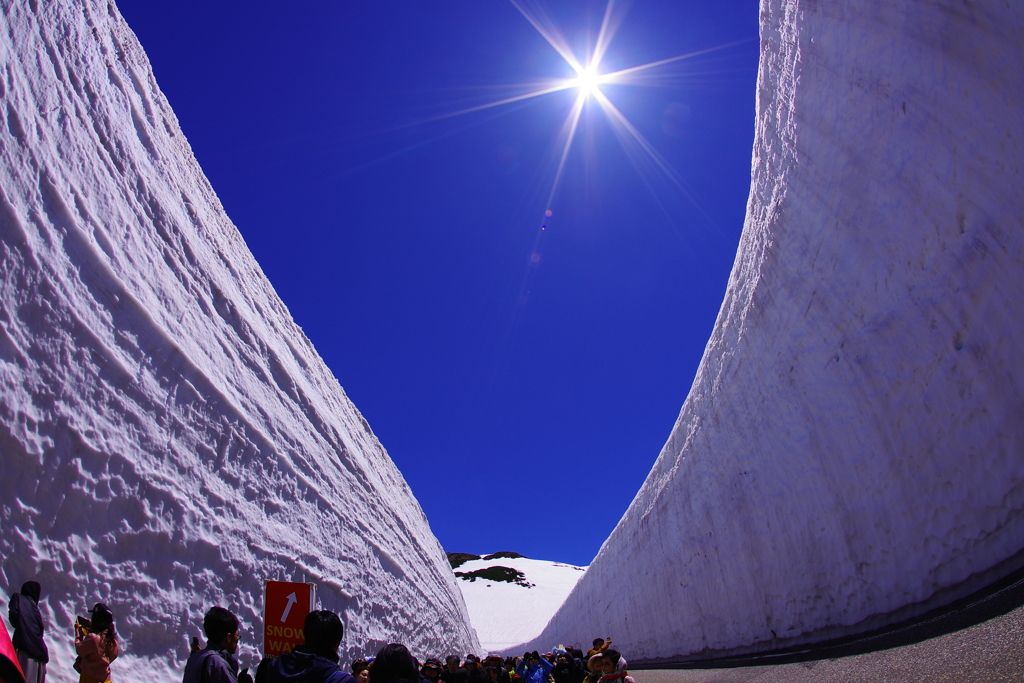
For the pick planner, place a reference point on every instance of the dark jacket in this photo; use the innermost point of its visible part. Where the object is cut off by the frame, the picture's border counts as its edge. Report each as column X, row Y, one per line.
column 304, row 667
column 28, row 628
column 567, row 672
column 211, row 666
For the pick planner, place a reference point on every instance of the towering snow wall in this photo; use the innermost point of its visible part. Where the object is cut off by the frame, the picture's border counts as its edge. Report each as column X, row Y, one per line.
column 169, row 438
column 851, row 453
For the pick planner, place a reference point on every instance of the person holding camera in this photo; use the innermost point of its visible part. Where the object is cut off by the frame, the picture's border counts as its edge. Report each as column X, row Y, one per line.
column 96, row 645
column 534, row 668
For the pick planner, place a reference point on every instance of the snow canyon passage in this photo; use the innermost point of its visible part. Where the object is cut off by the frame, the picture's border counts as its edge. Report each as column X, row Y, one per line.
column 169, row 436
column 849, row 455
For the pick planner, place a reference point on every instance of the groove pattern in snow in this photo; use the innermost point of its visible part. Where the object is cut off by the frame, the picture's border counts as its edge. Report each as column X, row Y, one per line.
column 850, row 454
column 169, row 437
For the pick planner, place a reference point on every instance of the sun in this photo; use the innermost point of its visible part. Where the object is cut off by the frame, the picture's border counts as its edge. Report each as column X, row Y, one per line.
column 588, row 81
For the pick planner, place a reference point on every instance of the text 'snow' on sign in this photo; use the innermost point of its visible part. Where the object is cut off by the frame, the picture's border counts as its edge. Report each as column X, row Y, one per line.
column 285, row 606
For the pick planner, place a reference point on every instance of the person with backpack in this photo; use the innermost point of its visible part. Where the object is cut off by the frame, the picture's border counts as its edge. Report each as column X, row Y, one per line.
column 315, row 661
column 216, row 663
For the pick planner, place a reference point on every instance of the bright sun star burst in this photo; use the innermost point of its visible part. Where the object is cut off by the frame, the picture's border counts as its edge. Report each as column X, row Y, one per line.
column 588, row 82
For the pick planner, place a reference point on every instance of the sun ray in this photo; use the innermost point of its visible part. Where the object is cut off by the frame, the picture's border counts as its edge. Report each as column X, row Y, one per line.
column 607, row 32
column 621, row 123
column 561, row 85
column 616, row 75
column 550, row 34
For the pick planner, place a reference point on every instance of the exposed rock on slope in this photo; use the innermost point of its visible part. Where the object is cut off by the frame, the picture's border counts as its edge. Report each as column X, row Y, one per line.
column 852, row 449
column 169, row 438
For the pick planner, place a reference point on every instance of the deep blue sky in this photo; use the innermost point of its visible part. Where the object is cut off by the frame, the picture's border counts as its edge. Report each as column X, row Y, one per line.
column 524, row 403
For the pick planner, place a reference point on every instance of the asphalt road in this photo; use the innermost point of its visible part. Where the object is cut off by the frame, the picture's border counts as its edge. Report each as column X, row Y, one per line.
column 989, row 652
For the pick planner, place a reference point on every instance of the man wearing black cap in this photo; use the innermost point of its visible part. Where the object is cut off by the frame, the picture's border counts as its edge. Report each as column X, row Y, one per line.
column 28, row 632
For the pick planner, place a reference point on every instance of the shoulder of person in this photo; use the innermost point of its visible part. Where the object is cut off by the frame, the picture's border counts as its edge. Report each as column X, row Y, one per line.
column 340, row 676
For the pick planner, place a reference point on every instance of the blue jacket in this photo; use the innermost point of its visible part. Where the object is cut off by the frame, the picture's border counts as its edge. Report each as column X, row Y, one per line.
column 535, row 674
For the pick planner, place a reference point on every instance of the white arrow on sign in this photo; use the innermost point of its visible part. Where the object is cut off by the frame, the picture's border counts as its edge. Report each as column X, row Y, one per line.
column 288, row 608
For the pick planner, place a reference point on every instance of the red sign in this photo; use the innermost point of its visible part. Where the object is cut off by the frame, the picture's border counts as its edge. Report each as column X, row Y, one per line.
column 285, row 607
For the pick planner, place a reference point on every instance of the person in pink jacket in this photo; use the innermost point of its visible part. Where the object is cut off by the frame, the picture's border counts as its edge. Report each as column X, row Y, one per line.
column 96, row 644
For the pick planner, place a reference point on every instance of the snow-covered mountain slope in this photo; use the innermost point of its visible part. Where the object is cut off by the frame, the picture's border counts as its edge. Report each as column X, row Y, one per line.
column 169, row 438
column 505, row 613
column 851, row 452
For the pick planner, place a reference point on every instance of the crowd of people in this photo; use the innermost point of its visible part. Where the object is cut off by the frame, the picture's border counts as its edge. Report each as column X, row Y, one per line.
column 315, row 661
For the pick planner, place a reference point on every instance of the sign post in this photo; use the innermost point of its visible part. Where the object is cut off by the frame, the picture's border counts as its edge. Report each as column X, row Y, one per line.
column 285, row 606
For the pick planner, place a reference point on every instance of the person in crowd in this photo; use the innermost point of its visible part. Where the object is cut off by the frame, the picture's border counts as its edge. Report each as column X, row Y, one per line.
column 600, row 645
column 534, row 668
column 510, row 667
column 28, row 632
column 593, row 672
column 431, row 670
column 394, row 664
column 451, row 665
column 96, row 645
column 216, row 663
column 565, row 669
column 473, row 668
column 496, row 662
column 315, row 661
column 612, row 666
column 10, row 670
column 361, row 670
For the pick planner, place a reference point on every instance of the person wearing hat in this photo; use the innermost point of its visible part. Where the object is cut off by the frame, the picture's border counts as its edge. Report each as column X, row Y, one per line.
column 96, row 645
column 28, row 632
column 431, row 670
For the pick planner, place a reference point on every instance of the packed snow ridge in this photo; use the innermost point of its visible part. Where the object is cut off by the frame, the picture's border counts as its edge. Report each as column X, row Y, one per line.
column 170, row 438
column 851, row 453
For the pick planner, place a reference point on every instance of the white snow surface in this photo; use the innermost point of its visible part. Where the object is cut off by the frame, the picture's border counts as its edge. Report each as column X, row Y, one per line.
column 851, row 452
column 169, row 438
column 505, row 614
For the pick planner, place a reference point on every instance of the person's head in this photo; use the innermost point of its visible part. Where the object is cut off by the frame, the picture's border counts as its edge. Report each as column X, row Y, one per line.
column 452, row 662
column 431, row 669
column 221, row 629
column 472, row 662
column 491, row 673
column 609, row 662
column 394, row 664
column 31, row 589
column 323, row 631
column 533, row 658
column 361, row 670
column 101, row 618
column 494, row 660
column 598, row 642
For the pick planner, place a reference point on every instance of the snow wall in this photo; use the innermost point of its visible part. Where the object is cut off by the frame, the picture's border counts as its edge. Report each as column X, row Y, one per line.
column 851, row 453
column 169, row 438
